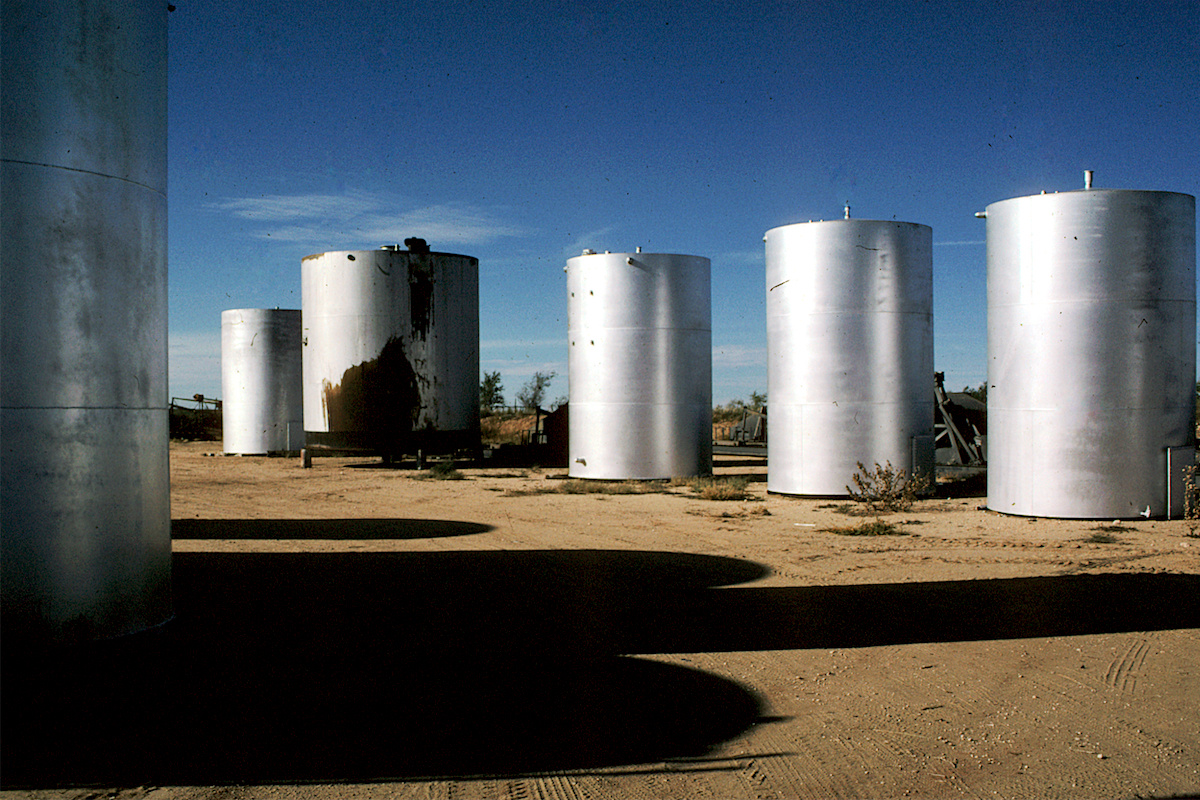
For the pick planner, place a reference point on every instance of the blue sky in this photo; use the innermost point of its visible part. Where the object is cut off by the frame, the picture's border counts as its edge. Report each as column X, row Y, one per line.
column 523, row 132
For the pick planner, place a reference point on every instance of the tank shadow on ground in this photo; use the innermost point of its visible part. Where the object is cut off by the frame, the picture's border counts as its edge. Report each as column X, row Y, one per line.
column 290, row 667
column 338, row 529
column 285, row 667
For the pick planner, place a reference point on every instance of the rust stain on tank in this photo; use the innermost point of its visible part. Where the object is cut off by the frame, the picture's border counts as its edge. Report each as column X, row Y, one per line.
column 380, row 396
column 420, row 294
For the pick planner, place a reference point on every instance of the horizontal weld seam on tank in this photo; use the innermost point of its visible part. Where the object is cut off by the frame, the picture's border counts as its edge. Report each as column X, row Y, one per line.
column 84, row 408
column 85, row 171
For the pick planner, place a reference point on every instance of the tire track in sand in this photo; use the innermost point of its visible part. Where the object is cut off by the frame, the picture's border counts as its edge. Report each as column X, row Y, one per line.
column 1123, row 671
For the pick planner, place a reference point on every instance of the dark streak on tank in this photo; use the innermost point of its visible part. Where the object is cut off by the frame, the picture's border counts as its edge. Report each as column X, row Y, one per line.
column 420, row 289
column 380, row 396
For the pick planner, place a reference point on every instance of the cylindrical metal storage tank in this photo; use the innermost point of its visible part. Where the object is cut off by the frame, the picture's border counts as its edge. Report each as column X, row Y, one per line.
column 85, row 497
column 640, row 361
column 849, row 352
column 261, row 380
column 1091, row 351
column 391, row 351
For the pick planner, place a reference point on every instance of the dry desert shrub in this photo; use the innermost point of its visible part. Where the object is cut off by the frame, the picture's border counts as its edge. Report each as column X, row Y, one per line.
column 886, row 488
column 1191, row 493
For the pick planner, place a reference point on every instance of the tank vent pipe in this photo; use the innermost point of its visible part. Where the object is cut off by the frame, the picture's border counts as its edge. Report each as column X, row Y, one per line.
column 847, row 211
column 1087, row 179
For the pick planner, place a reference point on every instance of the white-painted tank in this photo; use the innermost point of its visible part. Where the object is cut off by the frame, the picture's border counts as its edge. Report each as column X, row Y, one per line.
column 849, row 352
column 262, row 387
column 1091, row 352
column 391, row 351
column 85, row 498
column 640, row 359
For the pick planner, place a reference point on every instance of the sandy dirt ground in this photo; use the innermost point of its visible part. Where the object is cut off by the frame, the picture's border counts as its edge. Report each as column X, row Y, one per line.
column 353, row 631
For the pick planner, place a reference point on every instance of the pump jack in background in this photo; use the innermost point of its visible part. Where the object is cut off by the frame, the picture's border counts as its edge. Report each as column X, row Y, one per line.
column 960, row 429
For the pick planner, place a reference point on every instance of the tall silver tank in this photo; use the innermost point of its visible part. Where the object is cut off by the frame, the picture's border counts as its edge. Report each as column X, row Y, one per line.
column 849, row 352
column 391, row 351
column 261, row 380
column 1091, row 351
column 640, row 361
column 85, row 498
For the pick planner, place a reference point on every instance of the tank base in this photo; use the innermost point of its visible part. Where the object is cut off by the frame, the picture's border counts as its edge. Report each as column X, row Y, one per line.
column 394, row 446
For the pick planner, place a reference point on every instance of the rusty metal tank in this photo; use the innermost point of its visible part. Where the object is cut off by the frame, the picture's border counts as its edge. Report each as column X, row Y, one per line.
column 640, row 360
column 1091, row 352
column 85, row 498
column 391, row 351
column 261, row 381
column 849, row 352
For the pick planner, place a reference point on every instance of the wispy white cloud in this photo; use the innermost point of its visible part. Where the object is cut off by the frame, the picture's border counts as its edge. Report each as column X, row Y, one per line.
column 736, row 355
column 194, row 363
column 515, row 344
column 745, row 258
column 363, row 219
column 594, row 240
column 276, row 208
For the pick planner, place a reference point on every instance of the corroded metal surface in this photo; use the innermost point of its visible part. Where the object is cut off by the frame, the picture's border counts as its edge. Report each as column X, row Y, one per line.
column 391, row 350
column 1091, row 350
column 83, row 393
column 261, row 380
column 640, row 331
column 849, row 351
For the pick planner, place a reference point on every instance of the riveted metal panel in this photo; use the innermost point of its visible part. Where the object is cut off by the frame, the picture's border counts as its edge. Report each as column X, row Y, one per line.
column 849, row 351
column 640, row 357
column 1091, row 351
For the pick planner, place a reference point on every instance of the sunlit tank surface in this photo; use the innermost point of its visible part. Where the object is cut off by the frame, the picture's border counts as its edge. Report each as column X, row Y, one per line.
column 1091, row 350
column 391, row 351
column 849, row 352
column 85, row 499
column 262, row 388
column 640, row 360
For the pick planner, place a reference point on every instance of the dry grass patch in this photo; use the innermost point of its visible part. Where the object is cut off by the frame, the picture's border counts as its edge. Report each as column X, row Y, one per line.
column 711, row 488
column 581, row 486
column 874, row 528
column 742, row 513
column 441, row 471
column 849, row 509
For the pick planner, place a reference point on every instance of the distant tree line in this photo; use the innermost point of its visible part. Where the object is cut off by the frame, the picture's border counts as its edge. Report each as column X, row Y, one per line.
column 530, row 397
